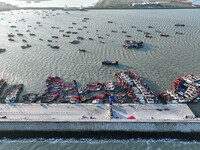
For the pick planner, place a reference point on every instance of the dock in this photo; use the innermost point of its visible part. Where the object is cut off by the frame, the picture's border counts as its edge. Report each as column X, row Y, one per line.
column 98, row 117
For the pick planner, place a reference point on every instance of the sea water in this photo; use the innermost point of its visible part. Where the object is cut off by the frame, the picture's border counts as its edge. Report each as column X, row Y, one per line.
column 93, row 144
column 160, row 62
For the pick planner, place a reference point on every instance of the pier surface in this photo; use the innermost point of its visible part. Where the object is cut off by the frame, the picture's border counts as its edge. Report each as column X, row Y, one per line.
column 97, row 118
column 99, row 112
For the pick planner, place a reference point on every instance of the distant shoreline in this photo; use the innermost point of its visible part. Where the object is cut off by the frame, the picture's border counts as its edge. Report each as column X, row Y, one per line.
column 8, row 7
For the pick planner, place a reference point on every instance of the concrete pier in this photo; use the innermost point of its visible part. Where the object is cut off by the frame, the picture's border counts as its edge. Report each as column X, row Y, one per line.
column 90, row 117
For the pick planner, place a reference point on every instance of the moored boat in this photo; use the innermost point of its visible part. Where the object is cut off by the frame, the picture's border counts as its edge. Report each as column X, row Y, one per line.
column 12, row 93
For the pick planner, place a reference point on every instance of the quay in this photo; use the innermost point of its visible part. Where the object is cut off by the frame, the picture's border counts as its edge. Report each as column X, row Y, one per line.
column 98, row 118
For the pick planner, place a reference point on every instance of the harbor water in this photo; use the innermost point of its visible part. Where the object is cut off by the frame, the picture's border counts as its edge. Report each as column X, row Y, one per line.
column 159, row 62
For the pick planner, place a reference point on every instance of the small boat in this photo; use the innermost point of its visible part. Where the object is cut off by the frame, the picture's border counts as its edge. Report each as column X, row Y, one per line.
column 49, row 40
column 109, row 86
column 146, row 33
column 10, row 39
column 101, row 42
column 178, row 24
column 2, row 50
column 13, row 26
column 19, row 34
column 158, row 31
column 128, row 36
column 55, row 37
column 114, row 31
column 110, row 22
column 68, row 32
column 30, row 97
column 11, row 35
column 96, row 101
column 74, row 32
column 74, row 42
column 150, row 27
column 55, row 46
column 94, row 87
column 139, row 30
column 148, row 36
column 24, row 40
column 90, row 38
column 2, row 83
column 165, row 35
column 72, row 101
column 107, row 62
column 179, row 33
column 80, row 38
column 40, row 39
column 32, row 34
column 65, row 35
column 123, row 31
column 25, row 46
column 82, row 50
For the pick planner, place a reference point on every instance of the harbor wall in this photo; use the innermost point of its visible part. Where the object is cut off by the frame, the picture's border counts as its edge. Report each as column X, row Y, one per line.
column 96, row 126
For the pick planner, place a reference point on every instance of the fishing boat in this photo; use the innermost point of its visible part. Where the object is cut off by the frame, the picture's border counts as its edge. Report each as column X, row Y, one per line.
column 80, row 38
column 107, row 62
column 25, row 46
column 2, row 50
column 82, row 50
column 12, row 93
column 53, row 87
column 150, row 27
column 19, row 34
column 94, row 86
column 132, row 44
column 10, row 39
column 96, row 101
column 178, row 24
column 148, row 36
column 32, row 34
column 2, row 83
column 23, row 40
column 55, row 37
column 74, row 42
column 109, row 86
column 164, row 35
column 11, row 35
column 30, row 98
column 55, row 46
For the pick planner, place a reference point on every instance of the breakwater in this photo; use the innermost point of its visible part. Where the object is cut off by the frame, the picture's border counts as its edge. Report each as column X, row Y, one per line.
column 96, row 118
column 98, row 126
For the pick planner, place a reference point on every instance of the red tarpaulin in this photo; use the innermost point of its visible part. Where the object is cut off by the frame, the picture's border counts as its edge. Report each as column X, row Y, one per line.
column 94, row 97
column 131, row 117
column 77, row 97
column 99, row 97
